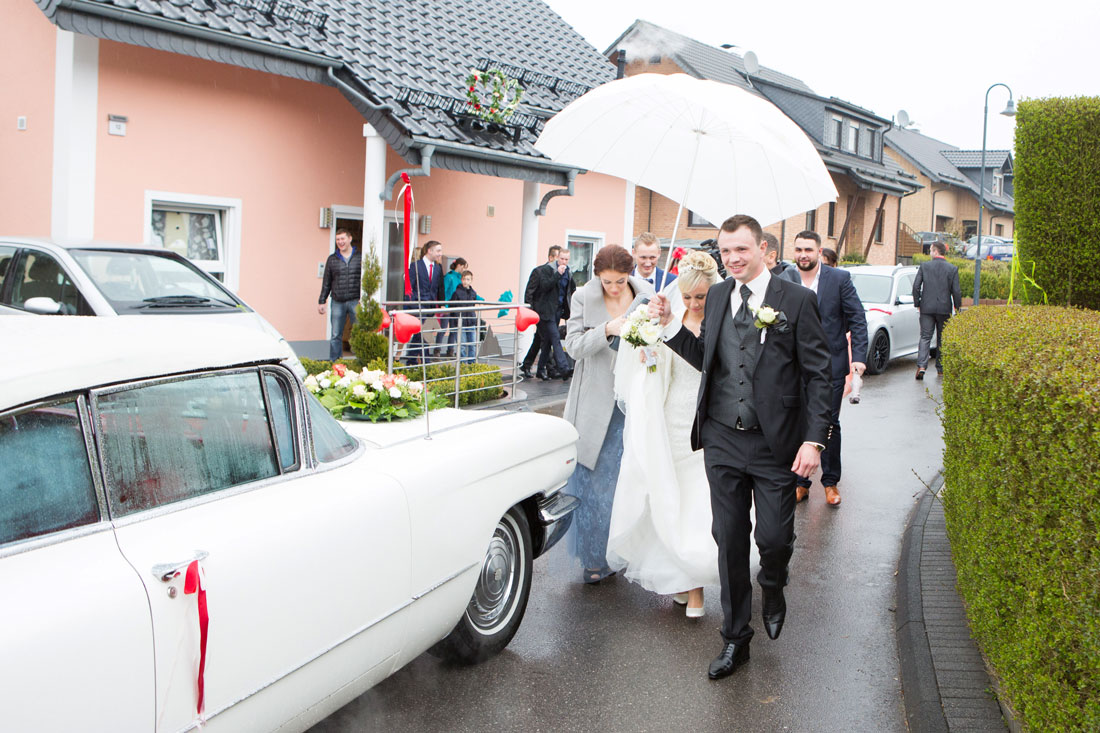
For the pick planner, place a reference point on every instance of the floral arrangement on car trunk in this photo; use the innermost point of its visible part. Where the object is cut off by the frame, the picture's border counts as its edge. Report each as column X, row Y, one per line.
column 370, row 394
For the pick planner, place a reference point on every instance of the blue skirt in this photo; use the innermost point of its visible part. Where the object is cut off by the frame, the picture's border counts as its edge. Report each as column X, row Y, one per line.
column 596, row 490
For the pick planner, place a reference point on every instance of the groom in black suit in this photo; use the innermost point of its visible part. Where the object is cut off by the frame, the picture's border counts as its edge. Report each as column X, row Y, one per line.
column 762, row 418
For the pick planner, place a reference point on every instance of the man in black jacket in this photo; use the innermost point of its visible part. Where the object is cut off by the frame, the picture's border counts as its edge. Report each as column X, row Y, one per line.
column 343, row 270
column 542, row 295
column 935, row 290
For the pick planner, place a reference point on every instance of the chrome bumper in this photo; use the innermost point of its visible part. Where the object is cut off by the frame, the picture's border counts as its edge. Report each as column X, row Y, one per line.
column 555, row 514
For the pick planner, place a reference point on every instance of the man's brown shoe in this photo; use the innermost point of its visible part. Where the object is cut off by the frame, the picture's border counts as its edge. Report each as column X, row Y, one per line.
column 832, row 496
column 801, row 493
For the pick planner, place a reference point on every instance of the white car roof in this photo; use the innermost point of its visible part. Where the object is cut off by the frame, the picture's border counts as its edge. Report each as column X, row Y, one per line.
column 66, row 244
column 43, row 356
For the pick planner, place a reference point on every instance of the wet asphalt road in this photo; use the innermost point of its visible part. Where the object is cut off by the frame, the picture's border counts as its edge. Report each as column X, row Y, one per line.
column 614, row 657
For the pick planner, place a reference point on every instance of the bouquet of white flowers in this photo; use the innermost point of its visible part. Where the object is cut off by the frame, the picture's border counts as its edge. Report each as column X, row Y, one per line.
column 643, row 332
column 369, row 395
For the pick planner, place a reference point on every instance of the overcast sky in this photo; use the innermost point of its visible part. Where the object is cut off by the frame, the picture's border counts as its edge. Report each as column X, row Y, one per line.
column 935, row 59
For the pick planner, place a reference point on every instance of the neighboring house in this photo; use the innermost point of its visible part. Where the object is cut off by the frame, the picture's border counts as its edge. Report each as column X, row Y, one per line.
column 863, row 219
column 242, row 132
column 948, row 201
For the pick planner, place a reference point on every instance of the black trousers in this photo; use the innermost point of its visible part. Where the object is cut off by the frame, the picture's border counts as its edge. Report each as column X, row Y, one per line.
column 533, row 352
column 743, row 471
column 551, row 351
column 931, row 323
column 830, row 457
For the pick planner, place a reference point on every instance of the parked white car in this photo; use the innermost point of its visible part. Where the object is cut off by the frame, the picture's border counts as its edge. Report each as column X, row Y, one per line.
column 136, row 462
column 893, row 324
column 49, row 277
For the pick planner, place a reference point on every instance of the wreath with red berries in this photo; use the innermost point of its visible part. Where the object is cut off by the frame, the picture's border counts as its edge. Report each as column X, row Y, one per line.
column 491, row 95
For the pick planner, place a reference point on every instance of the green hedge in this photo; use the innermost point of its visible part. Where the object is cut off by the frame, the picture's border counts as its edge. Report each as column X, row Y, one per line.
column 1057, row 196
column 483, row 378
column 996, row 276
column 1022, row 471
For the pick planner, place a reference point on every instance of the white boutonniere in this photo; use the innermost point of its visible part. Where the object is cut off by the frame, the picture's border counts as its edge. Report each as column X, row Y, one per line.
column 767, row 318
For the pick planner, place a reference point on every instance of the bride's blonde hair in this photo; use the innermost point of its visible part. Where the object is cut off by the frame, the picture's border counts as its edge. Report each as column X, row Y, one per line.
column 696, row 267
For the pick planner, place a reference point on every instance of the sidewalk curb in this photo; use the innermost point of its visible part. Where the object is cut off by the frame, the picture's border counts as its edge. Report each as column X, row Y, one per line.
column 920, row 691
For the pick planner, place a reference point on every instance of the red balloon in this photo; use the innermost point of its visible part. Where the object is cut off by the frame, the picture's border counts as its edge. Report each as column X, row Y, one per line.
column 404, row 326
column 525, row 318
column 385, row 320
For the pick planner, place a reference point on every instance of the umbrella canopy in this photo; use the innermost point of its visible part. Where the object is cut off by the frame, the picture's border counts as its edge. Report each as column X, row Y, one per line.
column 717, row 149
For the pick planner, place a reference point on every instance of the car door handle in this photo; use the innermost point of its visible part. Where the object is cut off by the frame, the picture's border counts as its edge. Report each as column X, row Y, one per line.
column 166, row 571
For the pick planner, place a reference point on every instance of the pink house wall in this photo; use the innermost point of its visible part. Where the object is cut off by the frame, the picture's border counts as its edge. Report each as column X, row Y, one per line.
column 284, row 147
column 28, row 41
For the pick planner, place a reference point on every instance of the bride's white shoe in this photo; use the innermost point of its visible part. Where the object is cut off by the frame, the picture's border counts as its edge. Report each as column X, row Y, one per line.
column 680, row 599
column 695, row 612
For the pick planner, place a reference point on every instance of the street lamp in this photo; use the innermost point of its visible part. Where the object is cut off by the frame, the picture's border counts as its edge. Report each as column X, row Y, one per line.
column 1009, row 111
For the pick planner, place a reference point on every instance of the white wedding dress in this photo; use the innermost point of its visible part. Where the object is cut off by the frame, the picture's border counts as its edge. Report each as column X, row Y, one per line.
column 660, row 534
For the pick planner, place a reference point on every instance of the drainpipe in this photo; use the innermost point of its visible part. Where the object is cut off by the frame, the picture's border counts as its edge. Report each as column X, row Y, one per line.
column 348, row 89
column 620, row 64
column 567, row 191
column 933, row 227
column 425, row 169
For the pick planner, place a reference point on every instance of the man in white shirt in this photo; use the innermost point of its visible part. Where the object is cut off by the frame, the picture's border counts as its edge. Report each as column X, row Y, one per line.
column 647, row 250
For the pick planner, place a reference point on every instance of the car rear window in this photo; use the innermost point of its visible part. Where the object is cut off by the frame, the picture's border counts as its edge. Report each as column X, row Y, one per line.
column 147, row 283
column 45, row 480
column 873, row 288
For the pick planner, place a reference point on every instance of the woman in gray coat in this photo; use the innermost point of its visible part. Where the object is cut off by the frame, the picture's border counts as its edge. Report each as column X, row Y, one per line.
column 597, row 312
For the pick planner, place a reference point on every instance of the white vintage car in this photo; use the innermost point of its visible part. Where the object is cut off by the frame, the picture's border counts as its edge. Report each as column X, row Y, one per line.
column 180, row 520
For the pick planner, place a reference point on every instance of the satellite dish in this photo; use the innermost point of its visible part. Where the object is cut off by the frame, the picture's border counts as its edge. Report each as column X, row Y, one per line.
column 903, row 118
column 752, row 66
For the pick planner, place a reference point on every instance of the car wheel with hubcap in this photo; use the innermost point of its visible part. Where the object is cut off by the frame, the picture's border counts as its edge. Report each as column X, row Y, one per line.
column 499, row 601
column 880, row 353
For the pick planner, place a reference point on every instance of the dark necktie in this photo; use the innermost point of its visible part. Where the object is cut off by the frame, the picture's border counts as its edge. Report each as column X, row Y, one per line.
column 743, row 320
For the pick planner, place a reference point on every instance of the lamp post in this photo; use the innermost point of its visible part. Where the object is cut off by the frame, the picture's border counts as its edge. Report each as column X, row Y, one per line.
column 1009, row 111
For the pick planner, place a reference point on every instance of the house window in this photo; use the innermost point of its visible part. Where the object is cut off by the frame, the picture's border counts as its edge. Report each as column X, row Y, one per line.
column 998, row 184
column 832, row 219
column 834, row 130
column 878, row 227
column 696, row 221
column 205, row 230
column 851, row 144
column 866, row 143
column 582, row 250
column 999, row 230
column 811, row 220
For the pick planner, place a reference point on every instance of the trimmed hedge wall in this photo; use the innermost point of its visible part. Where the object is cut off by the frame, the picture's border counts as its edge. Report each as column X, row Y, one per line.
column 1057, row 192
column 1022, row 471
column 996, row 276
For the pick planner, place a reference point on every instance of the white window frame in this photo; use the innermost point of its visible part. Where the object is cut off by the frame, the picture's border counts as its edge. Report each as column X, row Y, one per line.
column 229, row 213
column 852, row 143
column 998, row 184
column 836, row 132
column 598, row 241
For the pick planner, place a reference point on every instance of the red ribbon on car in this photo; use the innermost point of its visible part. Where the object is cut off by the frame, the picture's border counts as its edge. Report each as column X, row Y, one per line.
column 195, row 582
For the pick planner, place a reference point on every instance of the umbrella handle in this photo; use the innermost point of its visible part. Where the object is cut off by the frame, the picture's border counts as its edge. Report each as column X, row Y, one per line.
column 679, row 212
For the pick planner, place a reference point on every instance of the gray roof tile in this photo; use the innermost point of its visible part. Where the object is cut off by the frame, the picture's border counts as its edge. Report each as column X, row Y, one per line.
column 942, row 162
column 973, row 158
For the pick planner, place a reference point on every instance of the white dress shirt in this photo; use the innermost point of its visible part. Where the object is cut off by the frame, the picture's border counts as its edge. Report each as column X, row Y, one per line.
column 817, row 278
column 428, row 266
column 758, row 285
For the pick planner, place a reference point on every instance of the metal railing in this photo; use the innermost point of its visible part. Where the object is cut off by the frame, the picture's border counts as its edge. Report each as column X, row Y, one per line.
column 440, row 322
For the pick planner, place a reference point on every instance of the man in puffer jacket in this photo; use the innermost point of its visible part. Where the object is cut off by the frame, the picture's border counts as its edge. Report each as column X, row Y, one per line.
column 343, row 272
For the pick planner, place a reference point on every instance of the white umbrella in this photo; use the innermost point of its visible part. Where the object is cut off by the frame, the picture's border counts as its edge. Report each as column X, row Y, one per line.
column 715, row 148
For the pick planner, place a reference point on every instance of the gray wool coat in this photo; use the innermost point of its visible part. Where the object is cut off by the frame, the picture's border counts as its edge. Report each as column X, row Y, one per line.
column 592, row 392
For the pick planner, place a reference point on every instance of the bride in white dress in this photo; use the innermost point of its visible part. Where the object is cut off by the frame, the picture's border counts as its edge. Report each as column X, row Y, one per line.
column 660, row 534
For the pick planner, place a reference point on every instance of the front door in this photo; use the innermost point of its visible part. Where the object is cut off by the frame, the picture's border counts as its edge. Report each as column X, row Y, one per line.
column 300, row 565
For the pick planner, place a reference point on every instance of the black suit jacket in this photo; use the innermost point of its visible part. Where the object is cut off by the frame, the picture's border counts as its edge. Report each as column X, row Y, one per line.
column 841, row 311
column 788, row 359
column 542, row 292
column 936, row 287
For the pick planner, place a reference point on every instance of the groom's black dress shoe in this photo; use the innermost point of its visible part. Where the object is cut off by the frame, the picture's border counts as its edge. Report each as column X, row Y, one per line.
column 732, row 657
column 774, row 612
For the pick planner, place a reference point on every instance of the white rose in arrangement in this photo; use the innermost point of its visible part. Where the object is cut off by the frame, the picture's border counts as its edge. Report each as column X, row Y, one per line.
column 395, row 393
column 415, row 386
column 376, row 385
column 344, row 382
column 311, row 383
column 650, row 332
column 401, row 379
column 372, row 376
column 325, row 383
column 359, row 390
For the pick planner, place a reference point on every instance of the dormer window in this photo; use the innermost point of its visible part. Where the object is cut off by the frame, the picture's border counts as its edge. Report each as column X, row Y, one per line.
column 852, row 143
column 834, row 131
column 998, row 184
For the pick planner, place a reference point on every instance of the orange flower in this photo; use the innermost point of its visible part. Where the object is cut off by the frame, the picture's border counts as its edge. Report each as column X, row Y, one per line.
column 388, row 381
column 340, row 369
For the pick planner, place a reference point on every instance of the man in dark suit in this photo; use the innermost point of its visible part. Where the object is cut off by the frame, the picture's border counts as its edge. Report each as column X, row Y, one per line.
column 647, row 250
column 935, row 291
column 542, row 294
column 426, row 283
column 841, row 314
column 762, row 416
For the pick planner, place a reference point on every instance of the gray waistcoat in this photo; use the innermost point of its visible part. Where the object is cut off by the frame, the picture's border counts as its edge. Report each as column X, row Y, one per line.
column 730, row 395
